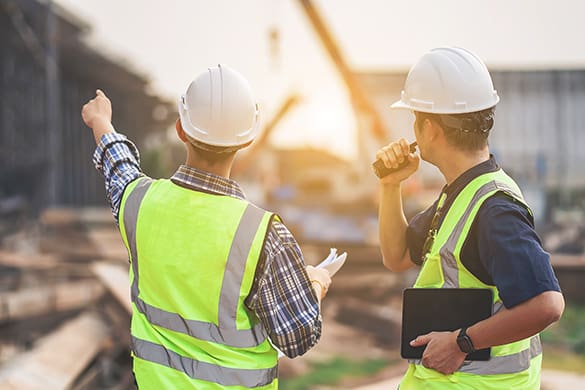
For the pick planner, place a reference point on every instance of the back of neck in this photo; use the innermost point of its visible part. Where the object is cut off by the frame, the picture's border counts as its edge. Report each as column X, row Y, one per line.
column 220, row 168
column 457, row 162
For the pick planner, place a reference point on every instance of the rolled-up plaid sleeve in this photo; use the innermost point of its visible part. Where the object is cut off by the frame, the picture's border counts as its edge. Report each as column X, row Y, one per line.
column 285, row 301
column 118, row 160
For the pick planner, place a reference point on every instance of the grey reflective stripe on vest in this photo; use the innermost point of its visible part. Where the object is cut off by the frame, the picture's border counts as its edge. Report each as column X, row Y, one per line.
column 508, row 364
column 225, row 333
column 448, row 262
column 497, row 306
column 235, row 268
column 225, row 376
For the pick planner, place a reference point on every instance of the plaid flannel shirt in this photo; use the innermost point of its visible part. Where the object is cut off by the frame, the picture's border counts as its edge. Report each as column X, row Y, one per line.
column 281, row 294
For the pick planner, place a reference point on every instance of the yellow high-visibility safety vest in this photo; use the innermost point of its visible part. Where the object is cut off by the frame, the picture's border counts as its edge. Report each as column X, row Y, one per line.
column 193, row 259
column 511, row 366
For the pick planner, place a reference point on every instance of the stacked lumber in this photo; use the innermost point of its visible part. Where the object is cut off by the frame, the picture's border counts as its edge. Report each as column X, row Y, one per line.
column 64, row 304
column 34, row 301
column 58, row 358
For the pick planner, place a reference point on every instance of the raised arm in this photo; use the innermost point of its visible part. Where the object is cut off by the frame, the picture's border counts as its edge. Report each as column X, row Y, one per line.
column 115, row 157
column 392, row 222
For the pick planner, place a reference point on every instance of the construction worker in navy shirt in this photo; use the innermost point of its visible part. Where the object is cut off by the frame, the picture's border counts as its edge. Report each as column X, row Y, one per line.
column 479, row 233
column 217, row 283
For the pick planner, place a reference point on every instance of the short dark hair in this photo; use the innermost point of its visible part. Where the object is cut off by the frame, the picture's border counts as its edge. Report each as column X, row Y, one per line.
column 212, row 154
column 468, row 131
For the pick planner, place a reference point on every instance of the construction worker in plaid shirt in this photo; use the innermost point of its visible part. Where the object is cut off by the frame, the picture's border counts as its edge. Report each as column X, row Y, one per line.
column 217, row 283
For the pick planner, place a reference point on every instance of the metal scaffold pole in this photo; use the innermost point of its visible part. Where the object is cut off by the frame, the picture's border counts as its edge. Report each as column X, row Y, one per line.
column 53, row 105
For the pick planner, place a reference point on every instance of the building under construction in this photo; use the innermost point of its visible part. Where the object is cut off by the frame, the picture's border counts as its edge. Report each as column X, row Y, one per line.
column 47, row 73
column 59, row 329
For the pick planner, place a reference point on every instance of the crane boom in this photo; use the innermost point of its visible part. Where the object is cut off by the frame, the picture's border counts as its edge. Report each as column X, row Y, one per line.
column 247, row 158
column 359, row 98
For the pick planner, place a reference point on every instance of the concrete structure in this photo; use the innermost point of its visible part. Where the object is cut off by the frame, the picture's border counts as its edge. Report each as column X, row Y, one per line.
column 47, row 73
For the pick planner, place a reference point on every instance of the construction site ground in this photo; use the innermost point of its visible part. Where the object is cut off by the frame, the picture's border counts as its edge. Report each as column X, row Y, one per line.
column 65, row 302
column 353, row 344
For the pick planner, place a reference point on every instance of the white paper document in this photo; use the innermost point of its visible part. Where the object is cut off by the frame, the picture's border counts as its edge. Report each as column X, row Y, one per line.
column 333, row 262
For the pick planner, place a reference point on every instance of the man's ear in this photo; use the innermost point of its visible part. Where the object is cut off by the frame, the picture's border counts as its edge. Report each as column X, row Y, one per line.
column 433, row 129
column 180, row 131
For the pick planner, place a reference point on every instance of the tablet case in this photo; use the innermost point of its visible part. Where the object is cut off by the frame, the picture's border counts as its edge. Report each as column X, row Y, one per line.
column 426, row 310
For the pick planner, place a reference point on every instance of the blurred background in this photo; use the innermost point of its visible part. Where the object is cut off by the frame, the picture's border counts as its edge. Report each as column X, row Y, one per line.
column 325, row 74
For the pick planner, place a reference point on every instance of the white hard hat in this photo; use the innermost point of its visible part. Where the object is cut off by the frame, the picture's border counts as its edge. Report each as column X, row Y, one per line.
column 448, row 80
column 219, row 108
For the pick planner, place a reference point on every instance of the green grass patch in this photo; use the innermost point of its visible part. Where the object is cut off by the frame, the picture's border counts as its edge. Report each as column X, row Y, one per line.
column 564, row 342
column 569, row 332
column 561, row 359
column 332, row 372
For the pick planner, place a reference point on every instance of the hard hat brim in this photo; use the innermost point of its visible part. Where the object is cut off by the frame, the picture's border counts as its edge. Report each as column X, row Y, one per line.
column 401, row 105
column 405, row 106
column 241, row 139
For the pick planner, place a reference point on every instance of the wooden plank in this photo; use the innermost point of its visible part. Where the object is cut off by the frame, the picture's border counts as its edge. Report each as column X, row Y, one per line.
column 568, row 261
column 384, row 322
column 109, row 244
column 93, row 216
column 28, row 260
column 58, row 217
column 115, row 278
column 45, row 299
column 58, row 358
column 68, row 245
column 71, row 216
column 570, row 270
column 367, row 281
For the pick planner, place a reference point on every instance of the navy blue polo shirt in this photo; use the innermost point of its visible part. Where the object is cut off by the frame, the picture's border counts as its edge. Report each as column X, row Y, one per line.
column 502, row 248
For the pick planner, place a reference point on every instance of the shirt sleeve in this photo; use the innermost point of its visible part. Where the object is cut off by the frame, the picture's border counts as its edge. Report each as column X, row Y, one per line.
column 118, row 160
column 284, row 300
column 511, row 251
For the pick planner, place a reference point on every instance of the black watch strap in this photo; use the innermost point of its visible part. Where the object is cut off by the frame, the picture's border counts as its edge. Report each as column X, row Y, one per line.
column 464, row 341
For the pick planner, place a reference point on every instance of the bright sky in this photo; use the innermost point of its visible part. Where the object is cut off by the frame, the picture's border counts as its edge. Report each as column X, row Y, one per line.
column 172, row 41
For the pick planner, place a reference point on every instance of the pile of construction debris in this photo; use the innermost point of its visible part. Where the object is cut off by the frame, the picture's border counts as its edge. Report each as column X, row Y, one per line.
column 64, row 304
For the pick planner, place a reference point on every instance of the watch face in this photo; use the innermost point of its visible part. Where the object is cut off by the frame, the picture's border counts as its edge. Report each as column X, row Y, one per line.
column 461, row 344
column 464, row 343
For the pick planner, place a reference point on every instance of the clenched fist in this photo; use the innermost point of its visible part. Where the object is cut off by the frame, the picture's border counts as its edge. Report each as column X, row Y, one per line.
column 97, row 114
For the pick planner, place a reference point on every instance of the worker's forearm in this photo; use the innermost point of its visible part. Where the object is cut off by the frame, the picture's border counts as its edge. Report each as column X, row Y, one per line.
column 392, row 228
column 519, row 322
column 101, row 127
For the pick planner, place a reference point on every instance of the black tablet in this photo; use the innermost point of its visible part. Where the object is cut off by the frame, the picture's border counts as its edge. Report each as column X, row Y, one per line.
column 426, row 310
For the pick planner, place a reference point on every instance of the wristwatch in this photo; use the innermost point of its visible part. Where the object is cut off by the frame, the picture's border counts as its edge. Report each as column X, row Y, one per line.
column 464, row 342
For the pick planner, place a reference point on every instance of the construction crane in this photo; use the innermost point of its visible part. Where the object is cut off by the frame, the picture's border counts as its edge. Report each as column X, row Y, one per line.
column 369, row 121
column 360, row 100
column 260, row 143
column 367, row 115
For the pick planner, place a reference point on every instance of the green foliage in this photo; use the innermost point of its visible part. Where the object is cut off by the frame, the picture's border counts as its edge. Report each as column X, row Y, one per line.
column 331, row 372
column 154, row 162
column 569, row 332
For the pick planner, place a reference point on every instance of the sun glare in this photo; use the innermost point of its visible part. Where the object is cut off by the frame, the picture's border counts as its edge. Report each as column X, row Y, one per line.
column 324, row 121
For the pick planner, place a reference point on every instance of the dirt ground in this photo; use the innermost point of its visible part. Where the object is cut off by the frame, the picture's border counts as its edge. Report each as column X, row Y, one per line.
column 343, row 341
